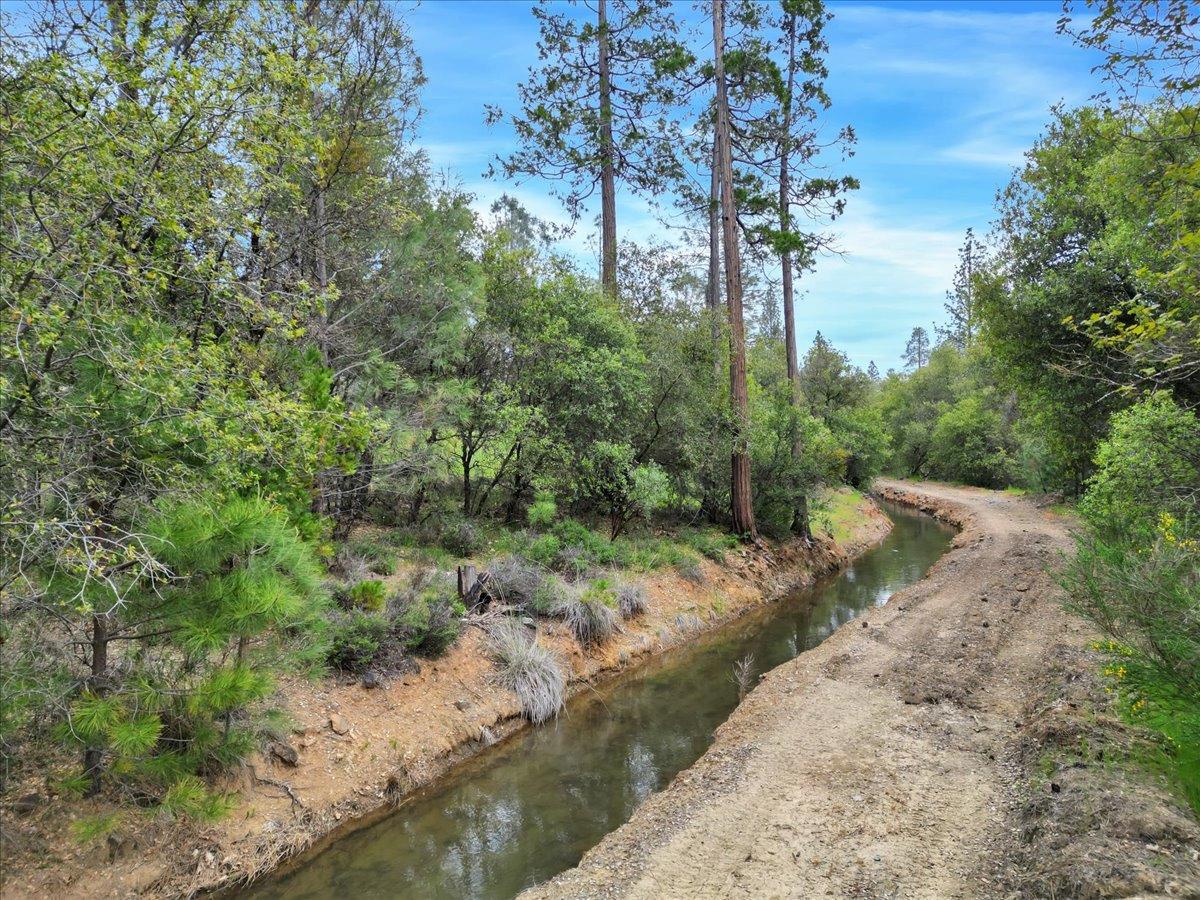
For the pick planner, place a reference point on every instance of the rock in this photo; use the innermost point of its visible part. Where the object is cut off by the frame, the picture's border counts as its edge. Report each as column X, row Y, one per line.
column 462, row 705
column 285, row 753
column 528, row 622
column 370, row 680
column 338, row 723
column 26, row 804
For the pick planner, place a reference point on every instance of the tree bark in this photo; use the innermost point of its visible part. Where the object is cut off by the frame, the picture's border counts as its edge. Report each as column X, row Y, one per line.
column 741, row 504
column 800, row 521
column 608, row 189
column 713, row 296
column 93, row 757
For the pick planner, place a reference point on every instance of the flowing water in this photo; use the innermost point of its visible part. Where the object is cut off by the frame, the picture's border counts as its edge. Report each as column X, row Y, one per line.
column 530, row 807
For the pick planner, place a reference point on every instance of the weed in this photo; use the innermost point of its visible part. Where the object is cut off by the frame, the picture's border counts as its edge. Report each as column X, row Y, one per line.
column 544, row 548
column 528, row 669
column 355, row 639
column 463, row 539
column 92, row 828
column 515, row 581
column 709, row 542
column 573, row 562
column 743, row 675
column 632, row 600
column 378, row 558
column 590, row 614
column 689, row 570
column 369, row 595
column 543, row 510
column 427, row 618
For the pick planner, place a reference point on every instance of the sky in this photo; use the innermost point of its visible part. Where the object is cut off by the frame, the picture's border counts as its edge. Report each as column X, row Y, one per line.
column 944, row 97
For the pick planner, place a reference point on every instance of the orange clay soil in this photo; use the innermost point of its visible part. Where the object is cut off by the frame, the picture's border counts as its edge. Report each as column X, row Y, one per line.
column 360, row 750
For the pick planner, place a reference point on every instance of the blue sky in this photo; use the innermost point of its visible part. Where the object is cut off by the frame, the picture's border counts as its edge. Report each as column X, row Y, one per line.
column 944, row 97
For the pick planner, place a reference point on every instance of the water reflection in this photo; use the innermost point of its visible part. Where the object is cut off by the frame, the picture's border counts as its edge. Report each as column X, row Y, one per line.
column 530, row 808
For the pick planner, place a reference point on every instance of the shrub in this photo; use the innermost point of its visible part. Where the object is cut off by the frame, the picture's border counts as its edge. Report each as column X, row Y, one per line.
column 591, row 614
column 970, row 443
column 542, row 511
column 609, row 477
column 355, row 639
column 427, row 618
column 632, row 600
column 1136, row 574
column 462, row 538
column 377, row 557
column 1147, row 600
column 544, row 548
column 573, row 562
column 369, row 595
column 1150, row 464
column 528, row 669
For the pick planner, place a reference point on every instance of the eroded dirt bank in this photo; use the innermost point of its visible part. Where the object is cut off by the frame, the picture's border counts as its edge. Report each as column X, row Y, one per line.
column 936, row 747
column 358, row 751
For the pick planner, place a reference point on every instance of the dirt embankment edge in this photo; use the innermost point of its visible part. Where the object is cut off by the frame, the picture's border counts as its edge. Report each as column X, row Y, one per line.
column 360, row 753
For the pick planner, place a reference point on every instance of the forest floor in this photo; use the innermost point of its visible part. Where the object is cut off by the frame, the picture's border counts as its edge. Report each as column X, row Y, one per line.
column 355, row 751
column 954, row 742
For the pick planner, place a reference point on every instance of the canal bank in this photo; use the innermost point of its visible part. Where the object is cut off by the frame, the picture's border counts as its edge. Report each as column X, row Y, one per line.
column 529, row 809
column 360, row 751
column 891, row 760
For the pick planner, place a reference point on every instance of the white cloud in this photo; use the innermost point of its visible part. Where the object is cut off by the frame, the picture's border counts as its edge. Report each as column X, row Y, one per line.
column 918, row 250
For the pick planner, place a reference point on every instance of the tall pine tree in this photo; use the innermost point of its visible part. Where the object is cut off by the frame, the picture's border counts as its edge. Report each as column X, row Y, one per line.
column 594, row 113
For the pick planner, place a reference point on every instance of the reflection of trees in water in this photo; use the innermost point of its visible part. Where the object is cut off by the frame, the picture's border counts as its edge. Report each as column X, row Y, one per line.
column 544, row 800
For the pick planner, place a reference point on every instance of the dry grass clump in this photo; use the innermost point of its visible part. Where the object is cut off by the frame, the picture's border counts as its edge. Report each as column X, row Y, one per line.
column 743, row 675
column 591, row 614
column 514, row 580
column 632, row 600
column 528, row 669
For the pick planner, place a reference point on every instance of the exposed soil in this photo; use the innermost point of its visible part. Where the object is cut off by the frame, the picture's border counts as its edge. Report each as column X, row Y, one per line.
column 931, row 748
column 358, row 750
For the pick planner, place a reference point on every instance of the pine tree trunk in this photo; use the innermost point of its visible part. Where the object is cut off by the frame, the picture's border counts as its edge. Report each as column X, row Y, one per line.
column 713, row 296
column 741, row 504
column 608, row 190
column 800, row 522
column 93, row 757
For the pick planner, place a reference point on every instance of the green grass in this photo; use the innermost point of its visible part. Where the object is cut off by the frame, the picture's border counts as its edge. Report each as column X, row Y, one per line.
column 838, row 514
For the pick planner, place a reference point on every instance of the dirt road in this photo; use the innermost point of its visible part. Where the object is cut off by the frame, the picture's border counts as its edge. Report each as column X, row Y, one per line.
column 890, row 761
